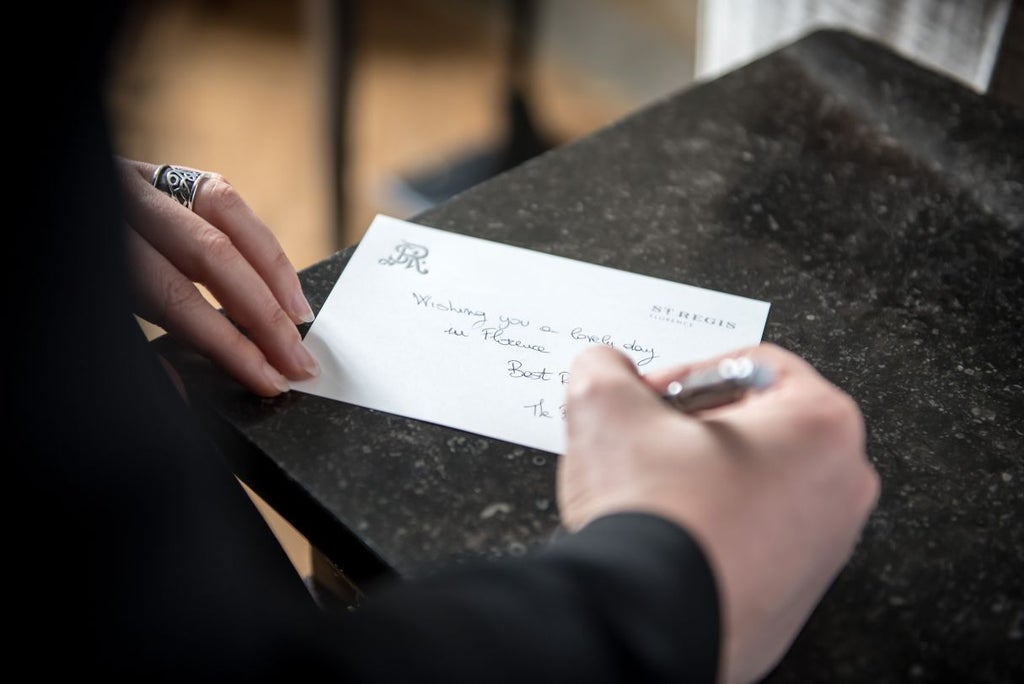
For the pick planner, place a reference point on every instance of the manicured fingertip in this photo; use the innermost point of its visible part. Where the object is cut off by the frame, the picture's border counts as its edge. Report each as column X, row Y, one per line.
column 301, row 309
column 279, row 382
column 306, row 360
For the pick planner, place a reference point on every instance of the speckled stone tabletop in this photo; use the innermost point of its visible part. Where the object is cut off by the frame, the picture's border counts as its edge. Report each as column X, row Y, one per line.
column 879, row 207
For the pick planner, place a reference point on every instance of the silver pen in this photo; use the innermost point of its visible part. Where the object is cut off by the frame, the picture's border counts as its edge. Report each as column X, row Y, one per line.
column 722, row 384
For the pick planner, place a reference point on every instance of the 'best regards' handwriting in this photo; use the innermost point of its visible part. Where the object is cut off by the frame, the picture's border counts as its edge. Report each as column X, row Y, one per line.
column 520, row 333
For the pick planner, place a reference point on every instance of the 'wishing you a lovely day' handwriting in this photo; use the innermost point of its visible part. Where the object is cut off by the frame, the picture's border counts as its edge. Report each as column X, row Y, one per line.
column 521, row 334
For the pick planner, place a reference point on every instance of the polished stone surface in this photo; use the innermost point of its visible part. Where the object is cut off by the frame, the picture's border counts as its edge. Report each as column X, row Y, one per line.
column 880, row 209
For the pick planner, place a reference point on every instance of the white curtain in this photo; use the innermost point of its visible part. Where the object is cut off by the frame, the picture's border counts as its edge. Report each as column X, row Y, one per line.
column 960, row 38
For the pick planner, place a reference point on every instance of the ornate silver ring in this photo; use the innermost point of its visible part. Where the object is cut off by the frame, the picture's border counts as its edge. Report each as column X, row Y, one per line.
column 179, row 182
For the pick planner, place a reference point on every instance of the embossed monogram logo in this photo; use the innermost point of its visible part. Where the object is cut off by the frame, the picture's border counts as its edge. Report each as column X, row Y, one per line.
column 409, row 255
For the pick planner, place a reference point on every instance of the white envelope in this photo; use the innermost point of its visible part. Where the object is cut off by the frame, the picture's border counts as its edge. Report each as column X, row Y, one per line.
column 480, row 336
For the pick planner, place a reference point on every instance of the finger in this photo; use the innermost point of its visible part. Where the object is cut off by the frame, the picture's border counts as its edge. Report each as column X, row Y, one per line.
column 222, row 206
column 799, row 397
column 205, row 254
column 605, row 392
column 780, row 364
column 661, row 379
column 169, row 299
column 218, row 202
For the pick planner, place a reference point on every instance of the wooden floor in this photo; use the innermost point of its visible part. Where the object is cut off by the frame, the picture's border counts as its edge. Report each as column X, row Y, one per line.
column 237, row 87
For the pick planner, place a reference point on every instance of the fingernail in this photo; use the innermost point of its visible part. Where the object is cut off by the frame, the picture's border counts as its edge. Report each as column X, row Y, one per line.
column 301, row 308
column 276, row 379
column 306, row 360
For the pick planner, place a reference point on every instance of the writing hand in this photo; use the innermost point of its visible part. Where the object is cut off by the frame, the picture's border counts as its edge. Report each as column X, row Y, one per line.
column 776, row 487
column 222, row 245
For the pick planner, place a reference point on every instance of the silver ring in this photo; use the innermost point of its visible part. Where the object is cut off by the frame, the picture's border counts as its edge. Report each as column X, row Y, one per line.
column 180, row 182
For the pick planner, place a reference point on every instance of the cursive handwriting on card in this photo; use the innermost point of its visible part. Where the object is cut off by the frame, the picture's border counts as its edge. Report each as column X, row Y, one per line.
column 518, row 333
column 443, row 327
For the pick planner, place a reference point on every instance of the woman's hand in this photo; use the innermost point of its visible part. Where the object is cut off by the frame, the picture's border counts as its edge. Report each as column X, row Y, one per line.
column 221, row 244
column 775, row 487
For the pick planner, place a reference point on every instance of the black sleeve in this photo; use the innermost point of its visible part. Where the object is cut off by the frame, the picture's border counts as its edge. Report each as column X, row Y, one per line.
column 628, row 598
column 138, row 556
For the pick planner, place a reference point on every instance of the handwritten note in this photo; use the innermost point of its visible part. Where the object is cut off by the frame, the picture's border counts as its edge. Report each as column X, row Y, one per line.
column 481, row 336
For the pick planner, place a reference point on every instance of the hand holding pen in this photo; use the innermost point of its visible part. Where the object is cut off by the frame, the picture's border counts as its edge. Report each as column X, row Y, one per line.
column 727, row 381
column 775, row 490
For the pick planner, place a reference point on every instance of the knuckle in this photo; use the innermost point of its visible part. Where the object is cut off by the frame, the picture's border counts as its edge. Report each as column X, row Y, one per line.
column 222, row 195
column 276, row 317
column 832, row 414
column 281, row 261
column 217, row 247
column 178, row 293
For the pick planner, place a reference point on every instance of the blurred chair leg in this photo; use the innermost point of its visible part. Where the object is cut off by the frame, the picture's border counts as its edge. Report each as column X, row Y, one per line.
column 522, row 139
column 333, row 23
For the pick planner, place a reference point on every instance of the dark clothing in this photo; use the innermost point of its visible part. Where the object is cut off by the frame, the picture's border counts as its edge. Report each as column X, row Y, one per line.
column 141, row 556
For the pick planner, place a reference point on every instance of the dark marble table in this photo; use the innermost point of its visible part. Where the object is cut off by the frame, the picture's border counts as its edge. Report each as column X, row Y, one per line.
column 880, row 208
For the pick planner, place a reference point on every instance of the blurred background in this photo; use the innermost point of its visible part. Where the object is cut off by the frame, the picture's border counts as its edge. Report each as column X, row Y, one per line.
column 323, row 113
column 256, row 90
